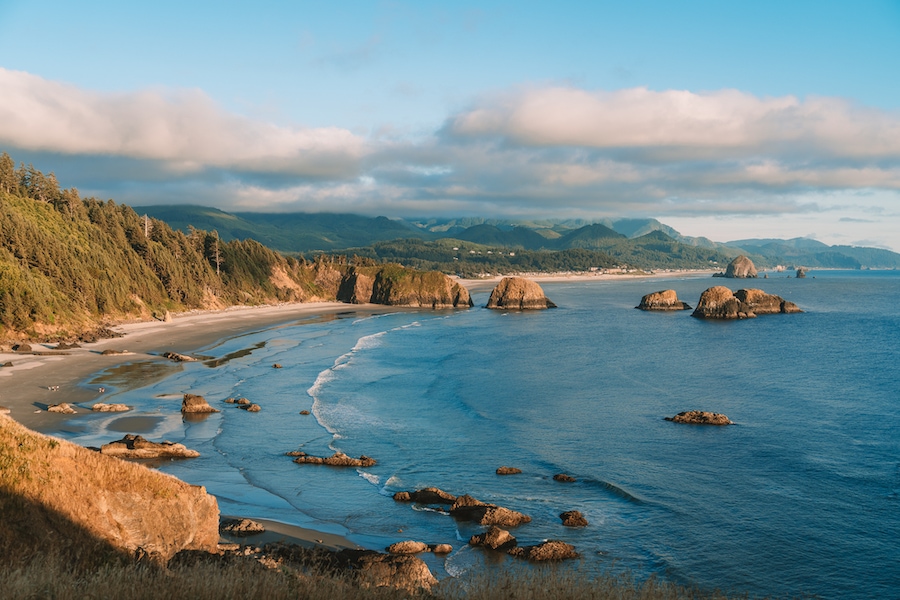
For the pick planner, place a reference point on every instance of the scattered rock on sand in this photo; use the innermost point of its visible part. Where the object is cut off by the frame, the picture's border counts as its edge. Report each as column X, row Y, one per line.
column 663, row 300
column 179, row 357
column 700, row 417
column 102, row 407
column 563, row 478
column 407, row 547
column 135, row 446
column 551, row 550
column 494, row 538
column 508, row 471
column 111, row 352
column 22, row 348
column 573, row 518
column 8, row 363
column 67, row 346
column 338, row 459
column 518, row 293
column 241, row 527
column 64, row 408
column 192, row 403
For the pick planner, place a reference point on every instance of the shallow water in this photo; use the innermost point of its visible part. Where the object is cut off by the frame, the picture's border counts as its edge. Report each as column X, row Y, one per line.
column 800, row 496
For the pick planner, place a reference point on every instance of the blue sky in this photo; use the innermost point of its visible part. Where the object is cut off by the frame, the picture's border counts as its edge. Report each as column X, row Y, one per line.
column 723, row 119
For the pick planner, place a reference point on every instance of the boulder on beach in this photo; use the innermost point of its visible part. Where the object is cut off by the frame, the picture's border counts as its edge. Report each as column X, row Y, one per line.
column 103, row 407
column 192, row 404
column 700, row 417
column 467, row 508
column 551, row 550
column 179, row 357
column 241, row 527
column 338, row 459
column 719, row 302
column 518, row 293
column 112, row 352
column 63, row 408
column 22, row 348
column 662, row 300
column 135, row 446
column 494, row 538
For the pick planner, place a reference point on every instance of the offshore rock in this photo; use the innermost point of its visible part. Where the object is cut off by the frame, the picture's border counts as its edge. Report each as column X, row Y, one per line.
column 494, row 538
column 563, row 478
column 429, row 495
column 192, row 403
column 508, row 470
column 551, row 550
column 135, row 446
column 338, row 459
column 662, row 300
column 573, row 518
column 518, row 293
column 468, row 508
column 719, row 302
column 740, row 268
column 699, row 417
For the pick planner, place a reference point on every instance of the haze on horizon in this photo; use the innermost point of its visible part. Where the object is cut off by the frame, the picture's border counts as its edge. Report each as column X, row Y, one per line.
column 722, row 120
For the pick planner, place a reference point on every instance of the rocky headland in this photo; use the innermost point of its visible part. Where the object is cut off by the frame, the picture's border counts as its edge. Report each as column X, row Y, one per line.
column 719, row 302
column 518, row 293
column 662, row 300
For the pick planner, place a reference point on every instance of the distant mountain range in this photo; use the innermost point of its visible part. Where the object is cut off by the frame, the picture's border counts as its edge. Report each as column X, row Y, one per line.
column 623, row 239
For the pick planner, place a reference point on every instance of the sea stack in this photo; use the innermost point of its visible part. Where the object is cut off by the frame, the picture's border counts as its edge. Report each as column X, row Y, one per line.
column 740, row 268
column 518, row 293
column 719, row 302
column 663, row 300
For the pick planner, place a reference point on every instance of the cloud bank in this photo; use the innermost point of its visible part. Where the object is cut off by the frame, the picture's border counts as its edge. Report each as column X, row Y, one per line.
column 538, row 151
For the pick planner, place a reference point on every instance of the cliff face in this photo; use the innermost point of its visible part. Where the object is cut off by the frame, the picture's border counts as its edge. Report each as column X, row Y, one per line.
column 518, row 293
column 719, row 302
column 56, row 493
column 393, row 285
column 663, row 300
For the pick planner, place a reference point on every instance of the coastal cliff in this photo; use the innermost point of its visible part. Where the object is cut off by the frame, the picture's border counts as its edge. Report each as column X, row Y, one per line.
column 518, row 293
column 55, row 494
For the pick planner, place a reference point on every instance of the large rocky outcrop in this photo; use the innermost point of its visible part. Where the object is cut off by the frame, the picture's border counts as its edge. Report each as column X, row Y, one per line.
column 74, row 497
column 551, row 550
column 719, row 302
column 194, row 404
column 700, row 417
column 395, row 286
column 467, row 508
column 356, row 287
column 429, row 495
column 494, row 538
column 662, row 300
column 135, row 446
column 740, row 268
column 518, row 293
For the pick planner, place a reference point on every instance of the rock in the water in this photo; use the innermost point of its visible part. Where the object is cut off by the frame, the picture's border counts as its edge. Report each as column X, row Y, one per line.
column 563, row 478
column 250, row 407
column 719, row 302
column 179, row 357
column 429, row 495
column 304, row 412
column 101, row 407
column 276, row 366
column 801, row 273
column 700, row 417
column 573, row 518
column 551, row 550
column 135, row 446
column 494, row 538
column 442, row 548
column 662, row 300
column 338, row 459
column 468, row 508
column 508, row 470
column 241, row 527
column 518, row 293
column 192, row 403
column 407, row 547
column 740, row 268
column 63, row 408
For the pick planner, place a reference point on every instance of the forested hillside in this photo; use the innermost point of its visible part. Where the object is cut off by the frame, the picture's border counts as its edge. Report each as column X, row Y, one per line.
column 68, row 264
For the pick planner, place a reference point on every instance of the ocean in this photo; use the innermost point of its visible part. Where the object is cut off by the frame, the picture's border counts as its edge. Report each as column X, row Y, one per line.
column 800, row 496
